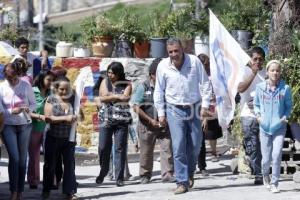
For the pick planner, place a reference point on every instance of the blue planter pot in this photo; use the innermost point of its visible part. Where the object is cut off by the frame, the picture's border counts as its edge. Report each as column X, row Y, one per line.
column 158, row 48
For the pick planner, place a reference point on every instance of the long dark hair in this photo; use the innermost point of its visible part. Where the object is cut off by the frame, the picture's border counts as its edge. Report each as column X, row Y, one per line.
column 60, row 79
column 118, row 69
column 13, row 66
column 39, row 80
column 22, row 66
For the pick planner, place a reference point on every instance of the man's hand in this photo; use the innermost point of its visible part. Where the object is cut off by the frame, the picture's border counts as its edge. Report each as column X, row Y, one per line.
column 154, row 123
column 254, row 67
column 204, row 125
column 162, row 121
column 258, row 119
column 44, row 55
column 44, row 63
column 283, row 119
column 205, row 113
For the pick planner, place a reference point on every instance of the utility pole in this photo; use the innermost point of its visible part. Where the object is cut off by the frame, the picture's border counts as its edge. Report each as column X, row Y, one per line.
column 30, row 13
column 1, row 15
column 18, row 15
column 41, row 13
column 197, row 8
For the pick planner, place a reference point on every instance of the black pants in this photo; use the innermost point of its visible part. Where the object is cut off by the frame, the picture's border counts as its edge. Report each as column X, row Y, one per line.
column 202, row 156
column 120, row 133
column 55, row 148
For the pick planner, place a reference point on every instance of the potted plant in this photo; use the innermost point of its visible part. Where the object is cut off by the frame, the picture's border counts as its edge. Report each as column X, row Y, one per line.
column 9, row 34
column 201, row 34
column 183, row 28
column 141, row 44
column 126, row 30
column 99, row 31
column 81, row 49
column 64, row 48
column 158, row 29
column 240, row 19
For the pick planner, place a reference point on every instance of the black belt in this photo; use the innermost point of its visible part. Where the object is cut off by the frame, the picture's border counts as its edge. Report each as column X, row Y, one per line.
column 184, row 106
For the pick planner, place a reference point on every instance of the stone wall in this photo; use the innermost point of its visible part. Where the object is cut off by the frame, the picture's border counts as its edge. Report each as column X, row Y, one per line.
column 136, row 70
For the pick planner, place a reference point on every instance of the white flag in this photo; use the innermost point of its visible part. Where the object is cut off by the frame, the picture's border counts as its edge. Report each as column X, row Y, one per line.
column 227, row 61
column 84, row 79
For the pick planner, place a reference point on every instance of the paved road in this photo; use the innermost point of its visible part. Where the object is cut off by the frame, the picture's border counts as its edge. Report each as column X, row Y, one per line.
column 220, row 185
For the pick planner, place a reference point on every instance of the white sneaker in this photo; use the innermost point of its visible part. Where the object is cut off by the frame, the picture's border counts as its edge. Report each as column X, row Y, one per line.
column 274, row 189
column 267, row 180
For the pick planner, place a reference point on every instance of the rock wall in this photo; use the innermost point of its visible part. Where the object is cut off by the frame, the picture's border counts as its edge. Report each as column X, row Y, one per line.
column 136, row 70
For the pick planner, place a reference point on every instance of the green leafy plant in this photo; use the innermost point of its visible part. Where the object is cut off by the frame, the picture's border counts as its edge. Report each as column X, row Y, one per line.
column 104, row 26
column 179, row 24
column 9, row 33
column 63, row 35
column 236, row 127
column 242, row 14
column 128, row 27
column 158, row 27
column 291, row 74
column 97, row 26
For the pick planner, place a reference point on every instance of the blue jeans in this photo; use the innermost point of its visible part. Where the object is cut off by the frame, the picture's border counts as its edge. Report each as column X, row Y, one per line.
column 16, row 139
column 186, row 134
column 271, row 149
column 251, row 142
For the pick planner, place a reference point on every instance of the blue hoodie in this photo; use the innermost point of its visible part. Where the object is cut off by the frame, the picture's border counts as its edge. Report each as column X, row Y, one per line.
column 271, row 107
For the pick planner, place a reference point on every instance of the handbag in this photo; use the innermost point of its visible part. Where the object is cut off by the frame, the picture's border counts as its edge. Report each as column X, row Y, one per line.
column 112, row 114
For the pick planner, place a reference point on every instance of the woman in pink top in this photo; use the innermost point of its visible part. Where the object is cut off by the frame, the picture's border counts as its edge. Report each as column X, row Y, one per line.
column 17, row 100
column 23, row 66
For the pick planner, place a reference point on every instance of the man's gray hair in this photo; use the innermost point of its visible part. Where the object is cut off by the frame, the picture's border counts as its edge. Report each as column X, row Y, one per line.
column 172, row 41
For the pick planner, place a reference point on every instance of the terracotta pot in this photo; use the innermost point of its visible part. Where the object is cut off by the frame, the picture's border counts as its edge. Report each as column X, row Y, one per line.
column 142, row 49
column 102, row 46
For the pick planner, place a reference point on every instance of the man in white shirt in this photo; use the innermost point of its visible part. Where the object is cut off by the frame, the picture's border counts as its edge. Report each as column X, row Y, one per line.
column 177, row 99
column 22, row 44
column 254, row 74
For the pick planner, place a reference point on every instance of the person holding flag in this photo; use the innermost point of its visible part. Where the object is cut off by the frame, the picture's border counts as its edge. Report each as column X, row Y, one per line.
column 254, row 74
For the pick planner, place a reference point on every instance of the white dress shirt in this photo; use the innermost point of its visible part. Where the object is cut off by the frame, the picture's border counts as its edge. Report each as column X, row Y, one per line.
column 181, row 87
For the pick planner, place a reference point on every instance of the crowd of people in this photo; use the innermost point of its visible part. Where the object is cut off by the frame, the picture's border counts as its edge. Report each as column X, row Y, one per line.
column 176, row 106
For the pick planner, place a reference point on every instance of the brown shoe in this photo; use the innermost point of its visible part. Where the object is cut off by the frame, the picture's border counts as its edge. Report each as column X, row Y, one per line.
column 13, row 196
column 191, row 182
column 168, row 178
column 19, row 196
column 180, row 189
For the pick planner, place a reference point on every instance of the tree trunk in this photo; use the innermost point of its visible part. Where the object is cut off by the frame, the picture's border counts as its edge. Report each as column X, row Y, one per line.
column 285, row 17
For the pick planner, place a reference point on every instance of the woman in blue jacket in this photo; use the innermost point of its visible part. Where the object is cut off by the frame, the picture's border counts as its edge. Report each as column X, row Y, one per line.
column 272, row 106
